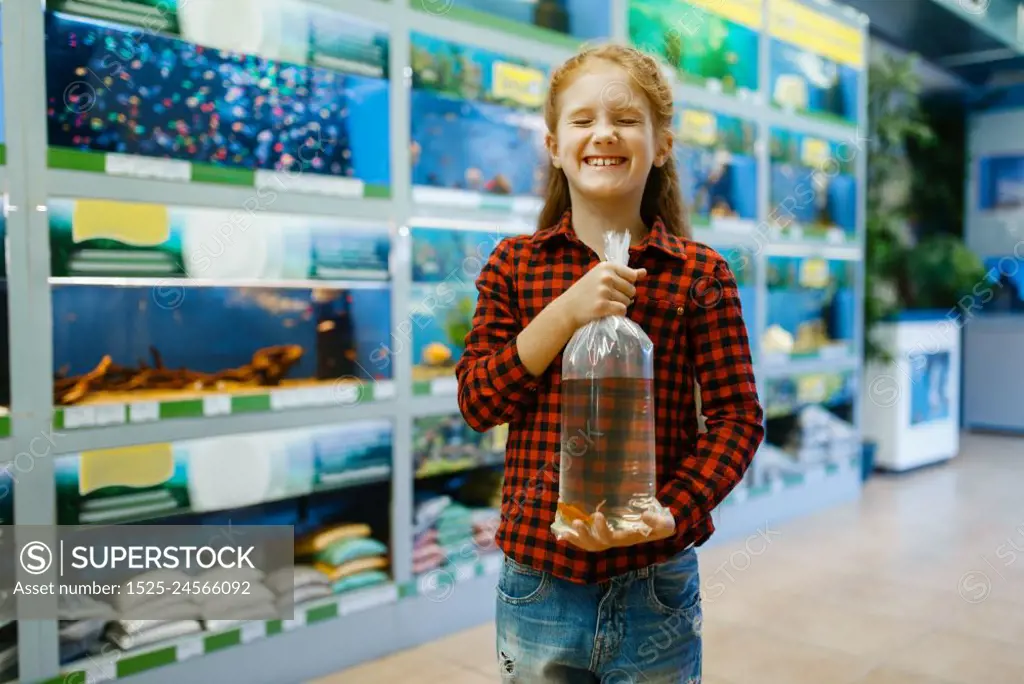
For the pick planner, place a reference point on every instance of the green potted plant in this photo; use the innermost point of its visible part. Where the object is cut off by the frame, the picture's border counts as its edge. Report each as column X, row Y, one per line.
column 918, row 273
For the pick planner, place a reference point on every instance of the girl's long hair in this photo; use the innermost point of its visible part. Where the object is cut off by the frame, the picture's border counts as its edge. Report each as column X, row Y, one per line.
column 662, row 197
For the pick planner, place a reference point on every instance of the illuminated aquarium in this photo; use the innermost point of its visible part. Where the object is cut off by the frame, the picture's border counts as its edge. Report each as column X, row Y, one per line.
column 476, row 128
column 709, row 43
column 717, row 163
column 811, row 307
column 445, row 266
column 1001, row 182
column 259, row 87
column 444, row 444
column 280, row 302
column 808, row 83
column 583, row 19
column 153, row 481
column 813, row 188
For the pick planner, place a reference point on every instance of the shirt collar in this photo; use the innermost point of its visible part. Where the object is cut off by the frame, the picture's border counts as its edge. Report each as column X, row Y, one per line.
column 657, row 237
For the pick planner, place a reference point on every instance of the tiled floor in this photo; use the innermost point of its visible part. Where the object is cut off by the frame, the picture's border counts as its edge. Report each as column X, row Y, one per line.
column 921, row 582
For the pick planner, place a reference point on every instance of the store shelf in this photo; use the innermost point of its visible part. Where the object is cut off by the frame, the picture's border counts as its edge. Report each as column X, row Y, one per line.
column 287, row 200
column 814, row 249
column 185, row 281
column 476, row 20
column 839, row 358
column 439, row 405
column 119, row 666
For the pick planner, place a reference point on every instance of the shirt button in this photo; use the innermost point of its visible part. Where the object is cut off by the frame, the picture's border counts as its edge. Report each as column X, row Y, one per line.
column 679, row 311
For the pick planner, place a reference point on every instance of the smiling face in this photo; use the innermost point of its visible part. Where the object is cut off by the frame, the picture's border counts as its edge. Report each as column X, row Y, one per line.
column 606, row 139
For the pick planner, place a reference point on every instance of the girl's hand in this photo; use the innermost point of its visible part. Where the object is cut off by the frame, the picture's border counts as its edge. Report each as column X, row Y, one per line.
column 599, row 536
column 606, row 290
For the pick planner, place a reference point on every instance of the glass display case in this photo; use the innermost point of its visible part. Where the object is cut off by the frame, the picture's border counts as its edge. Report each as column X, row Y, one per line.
column 230, row 472
column 585, row 20
column 708, row 43
column 1001, row 182
column 477, row 135
column 292, row 311
column 717, row 161
column 445, row 265
column 813, row 187
column 228, row 91
column 811, row 309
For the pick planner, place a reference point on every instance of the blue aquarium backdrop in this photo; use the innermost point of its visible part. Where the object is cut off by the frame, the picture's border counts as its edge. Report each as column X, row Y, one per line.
column 812, row 299
column 714, row 44
column 812, row 84
column 583, row 19
column 108, row 91
column 475, row 121
column 1001, row 182
column 338, row 330
column 813, row 183
column 450, row 256
column 717, row 162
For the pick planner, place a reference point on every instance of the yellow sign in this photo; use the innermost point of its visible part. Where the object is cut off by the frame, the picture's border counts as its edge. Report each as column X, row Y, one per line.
column 791, row 21
column 699, row 127
column 518, row 83
column 145, row 465
column 128, row 222
column 814, row 152
column 745, row 12
column 814, row 273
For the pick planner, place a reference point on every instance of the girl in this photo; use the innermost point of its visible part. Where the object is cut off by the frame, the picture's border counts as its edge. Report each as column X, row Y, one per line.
column 607, row 606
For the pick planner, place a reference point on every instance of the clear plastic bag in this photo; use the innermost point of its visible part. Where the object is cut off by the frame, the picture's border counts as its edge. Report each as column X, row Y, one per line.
column 607, row 458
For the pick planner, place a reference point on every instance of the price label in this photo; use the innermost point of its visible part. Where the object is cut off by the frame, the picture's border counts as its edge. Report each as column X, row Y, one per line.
column 346, row 392
column 367, row 600
column 144, row 411
column 192, row 648
column 298, row 623
column 283, row 399
column 97, row 671
column 79, row 416
column 252, row 631
column 217, row 405
column 385, row 389
column 319, row 396
column 147, row 167
column 814, row 273
column 835, row 236
column 444, row 386
column 110, row 414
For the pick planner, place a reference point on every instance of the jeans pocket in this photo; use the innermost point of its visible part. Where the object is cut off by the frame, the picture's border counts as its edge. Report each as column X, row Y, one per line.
column 673, row 587
column 520, row 585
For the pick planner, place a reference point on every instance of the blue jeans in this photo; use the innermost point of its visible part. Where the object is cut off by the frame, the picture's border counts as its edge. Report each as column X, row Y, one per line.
column 643, row 627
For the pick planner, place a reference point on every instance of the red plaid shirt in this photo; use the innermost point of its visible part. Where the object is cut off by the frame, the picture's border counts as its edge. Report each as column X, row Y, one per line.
column 689, row 306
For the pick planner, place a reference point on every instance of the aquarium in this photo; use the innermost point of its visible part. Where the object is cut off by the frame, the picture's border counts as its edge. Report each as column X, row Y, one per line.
column 583, row 19
column 154, row 481
column 707, row 42
column 807, row 83
column 813, row 187
column 717, row 163
column 811, row 308
column 445, row 444
column 191, row 101
column 785, row 396
column 477, row 134
column 292, row 310
column 1001, row 182
column 445, row 266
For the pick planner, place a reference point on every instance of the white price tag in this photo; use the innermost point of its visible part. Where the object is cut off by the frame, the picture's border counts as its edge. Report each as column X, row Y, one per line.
column 444, row 386
column 291, row 625
column 282, row 399
column 144, row 411
column 190, row 649
column 79, row 416
column 110, row 414
column 835, row 236
column 319, row 396
column 384, row 389
column 148, row 167
column 97, row 670
column 346, row 392
column 464, row 572
column 252, row 631
column 492, row 563
column 217, row 405
column 367, row 600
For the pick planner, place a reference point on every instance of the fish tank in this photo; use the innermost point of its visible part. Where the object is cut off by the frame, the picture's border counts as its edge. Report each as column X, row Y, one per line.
column 292, row 311
column 709, row 44
column 580, row 19
column 813, row 187
column 1001, row 182
column 239, row 92
column 717, row 162
column 477, row 134
column 445, row 265
column 811, row 308
column 812, row 84
column 446, row 444
column 147, row 482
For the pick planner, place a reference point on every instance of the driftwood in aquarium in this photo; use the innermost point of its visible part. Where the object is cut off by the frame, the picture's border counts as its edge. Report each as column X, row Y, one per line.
column 269, row 366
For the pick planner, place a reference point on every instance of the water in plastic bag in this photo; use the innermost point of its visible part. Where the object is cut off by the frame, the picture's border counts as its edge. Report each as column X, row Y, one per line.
column 607, row 419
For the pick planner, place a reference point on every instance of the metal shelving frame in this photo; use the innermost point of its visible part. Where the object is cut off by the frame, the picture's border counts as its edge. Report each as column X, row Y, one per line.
column 414, row 617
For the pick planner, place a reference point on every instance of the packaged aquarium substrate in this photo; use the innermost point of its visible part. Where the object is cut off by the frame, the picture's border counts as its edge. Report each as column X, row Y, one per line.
column 607, row 458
